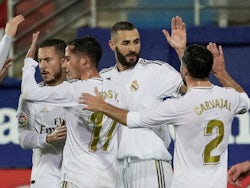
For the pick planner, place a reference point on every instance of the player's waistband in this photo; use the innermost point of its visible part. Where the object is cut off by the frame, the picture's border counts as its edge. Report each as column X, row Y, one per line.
column 130, row 160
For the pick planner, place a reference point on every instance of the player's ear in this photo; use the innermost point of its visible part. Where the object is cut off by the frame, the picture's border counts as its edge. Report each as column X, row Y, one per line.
column 111, row 45
column 184, row 70
column 84, row 60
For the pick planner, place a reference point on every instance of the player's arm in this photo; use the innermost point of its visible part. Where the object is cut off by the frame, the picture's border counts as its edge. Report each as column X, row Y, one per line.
column 33, row 47
column 28, row 136
column 5, row 68
column 10, row 32
column 60, row 95
column 178, row 41
column 237, row 172
column 219, row 69
column 145, row 118
column 31, row 90
column 97, row 104
column 178, row 38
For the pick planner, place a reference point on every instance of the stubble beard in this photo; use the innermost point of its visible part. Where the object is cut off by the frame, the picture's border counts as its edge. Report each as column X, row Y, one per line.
column 55, row 77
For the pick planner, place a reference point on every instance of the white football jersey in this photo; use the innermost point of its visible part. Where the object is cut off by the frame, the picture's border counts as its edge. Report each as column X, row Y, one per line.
column 5, row 44
column 202, row 120
column 90, row 149
column 147, row 84
column 34, row 122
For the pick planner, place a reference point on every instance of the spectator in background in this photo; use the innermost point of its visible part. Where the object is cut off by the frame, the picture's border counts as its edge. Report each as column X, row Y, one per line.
column 5, row 43
column 238, row 172
column 41, row 127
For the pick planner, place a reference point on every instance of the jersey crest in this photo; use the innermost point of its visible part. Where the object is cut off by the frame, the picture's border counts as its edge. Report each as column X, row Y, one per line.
column 134, row 86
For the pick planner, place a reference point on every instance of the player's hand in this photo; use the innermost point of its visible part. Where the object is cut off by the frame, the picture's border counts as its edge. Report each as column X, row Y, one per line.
column 33, row 47
column 58, row 135
column 219, row 60
column 238, row 172
column 5, row 68
column 12, row 25
column 178, row 38
column 94, row 103
column 35, row 37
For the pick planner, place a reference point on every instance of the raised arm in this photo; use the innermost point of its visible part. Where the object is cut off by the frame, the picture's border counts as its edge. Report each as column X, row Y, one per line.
column 33, row 47
column 10, row 32
column 219, row 69
column 178, row 38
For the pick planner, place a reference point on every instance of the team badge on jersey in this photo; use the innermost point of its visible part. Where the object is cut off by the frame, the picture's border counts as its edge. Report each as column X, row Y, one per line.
column 22, row 119
column 134, row 86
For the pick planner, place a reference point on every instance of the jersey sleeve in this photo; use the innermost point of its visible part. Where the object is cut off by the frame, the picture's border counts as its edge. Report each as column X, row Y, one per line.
column 164, row 113
column 60, row 95
column 169, row 81
column 4, row 49
column 28, row 137
column 244, row 104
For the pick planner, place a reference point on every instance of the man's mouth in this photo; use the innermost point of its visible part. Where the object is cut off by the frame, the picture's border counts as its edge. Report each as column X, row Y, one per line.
column 44, row 73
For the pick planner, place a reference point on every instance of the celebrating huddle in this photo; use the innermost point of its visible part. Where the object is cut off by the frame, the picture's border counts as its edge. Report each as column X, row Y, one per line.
column 91, row 129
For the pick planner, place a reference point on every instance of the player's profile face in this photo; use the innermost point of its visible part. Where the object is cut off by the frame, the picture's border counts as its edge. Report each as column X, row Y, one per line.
column 72, row 64
column 50, row 65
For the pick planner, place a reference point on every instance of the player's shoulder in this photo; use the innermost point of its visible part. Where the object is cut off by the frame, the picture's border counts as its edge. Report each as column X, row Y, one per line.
column 228, row 91
column 156, row 65
column 225, row 89
column 148, row 62
column 107, row 70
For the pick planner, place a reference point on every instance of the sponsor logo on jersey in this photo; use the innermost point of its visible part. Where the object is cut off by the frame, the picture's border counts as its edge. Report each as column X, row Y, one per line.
column 44, row 109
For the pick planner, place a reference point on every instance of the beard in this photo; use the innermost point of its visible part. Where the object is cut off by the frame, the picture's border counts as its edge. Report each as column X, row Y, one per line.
column 51, row 80
column 122, row 59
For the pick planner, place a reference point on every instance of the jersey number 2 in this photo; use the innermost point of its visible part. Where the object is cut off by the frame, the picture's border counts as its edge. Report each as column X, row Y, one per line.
column 207, row 157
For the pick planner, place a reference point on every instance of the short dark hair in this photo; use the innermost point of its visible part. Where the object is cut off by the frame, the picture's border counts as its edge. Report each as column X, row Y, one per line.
column 198, row 60
column 59, row 45
column 122, row 25
column 88, row 46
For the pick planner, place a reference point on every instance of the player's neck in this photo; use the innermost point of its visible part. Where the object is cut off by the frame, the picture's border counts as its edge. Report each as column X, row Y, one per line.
column 91, row 73
column 198, row 83
column 121, row 67
column 55, row 82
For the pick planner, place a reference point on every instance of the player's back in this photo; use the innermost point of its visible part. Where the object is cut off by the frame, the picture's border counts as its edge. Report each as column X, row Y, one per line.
column 203, row 126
